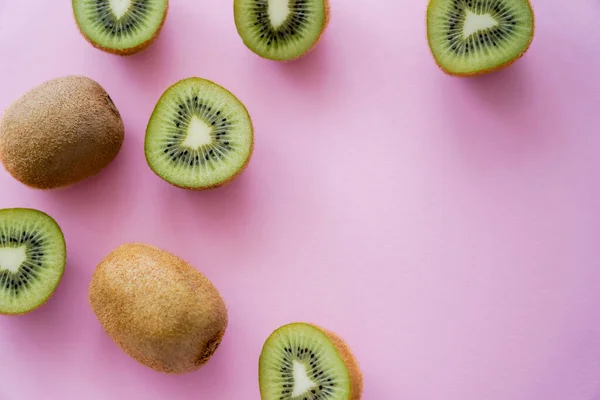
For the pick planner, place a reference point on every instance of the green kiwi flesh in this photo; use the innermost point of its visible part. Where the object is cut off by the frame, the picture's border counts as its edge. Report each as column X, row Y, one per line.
column 300, row 362
column 120, row 26
column 471, row 37
column 199, row 135
column 32, row 259
column 281, row 29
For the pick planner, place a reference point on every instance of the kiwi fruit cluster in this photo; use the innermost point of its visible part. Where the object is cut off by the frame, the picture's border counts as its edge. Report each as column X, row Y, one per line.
column 156, row 307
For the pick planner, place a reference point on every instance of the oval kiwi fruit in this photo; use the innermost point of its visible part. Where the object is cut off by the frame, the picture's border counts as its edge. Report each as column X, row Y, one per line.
column 199, row 136
column 60, row 133
column 475, row 37
column 122, row 27
column 281, row 29
column 32, row 259
column 302, row 361
column 158, row 308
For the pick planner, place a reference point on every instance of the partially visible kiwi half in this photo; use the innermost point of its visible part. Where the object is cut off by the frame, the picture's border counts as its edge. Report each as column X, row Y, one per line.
column 122, row 27
column 32, row 259
column 199, row 135
column 474, row 37
column 301, row 361
column 281, row 29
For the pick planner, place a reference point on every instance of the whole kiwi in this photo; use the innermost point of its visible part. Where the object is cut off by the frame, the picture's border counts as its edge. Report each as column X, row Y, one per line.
column 159, row 309
column 59, row 133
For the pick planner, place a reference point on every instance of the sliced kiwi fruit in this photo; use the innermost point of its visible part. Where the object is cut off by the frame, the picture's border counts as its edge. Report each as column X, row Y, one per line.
column 32, row 259
column 158, row 308
column 59, row 133
column 302, row 361
column 281, row 29
column 199, row 135
column 121, row 27
column 474, row 37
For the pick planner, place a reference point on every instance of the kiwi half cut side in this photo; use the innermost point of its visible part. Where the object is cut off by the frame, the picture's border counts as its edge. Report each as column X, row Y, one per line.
column 199, row 136
column 301, row 361
column 474, row 37
column 122, row 27
column 281, row 29
column 32, row 259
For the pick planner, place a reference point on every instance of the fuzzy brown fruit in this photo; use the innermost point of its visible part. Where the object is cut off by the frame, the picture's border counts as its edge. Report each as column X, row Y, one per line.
column 59, row 133
column 158, row 308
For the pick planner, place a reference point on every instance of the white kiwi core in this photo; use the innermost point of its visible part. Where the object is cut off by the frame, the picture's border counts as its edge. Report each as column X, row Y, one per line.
column 11, row 258
column 278, row 12
column 477, row 22
column 120, row 7
column 198, row 134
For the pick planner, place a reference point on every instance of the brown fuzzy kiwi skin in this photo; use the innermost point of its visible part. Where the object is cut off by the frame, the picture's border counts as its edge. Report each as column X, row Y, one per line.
column 231, row 178
column 133, row 50
column 60, row 133
column 356, row 378
column 354, row 371
column 327, row 6
column 64, row 245
column 489, row 70
column 157, row 308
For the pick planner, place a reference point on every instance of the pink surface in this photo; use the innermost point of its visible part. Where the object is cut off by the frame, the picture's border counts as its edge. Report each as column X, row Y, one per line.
column 446, row 228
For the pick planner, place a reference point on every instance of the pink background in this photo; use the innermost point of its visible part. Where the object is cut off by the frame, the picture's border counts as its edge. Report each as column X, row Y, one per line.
column 446, row 228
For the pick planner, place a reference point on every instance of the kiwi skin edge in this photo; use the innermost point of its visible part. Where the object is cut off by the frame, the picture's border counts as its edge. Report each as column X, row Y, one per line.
column 325, row 25
column 239, row 171
column 327, row 5
column 132, row 50
column 354, row 372
column 489, row 70
column 61, row 275
column 356, row 379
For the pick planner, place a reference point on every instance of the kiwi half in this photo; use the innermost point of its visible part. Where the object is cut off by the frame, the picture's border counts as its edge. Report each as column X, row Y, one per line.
column 32, row 259
column 301, row 361
column 281, row 29
column 199, row 135
column 474, row 37
column 121, row 27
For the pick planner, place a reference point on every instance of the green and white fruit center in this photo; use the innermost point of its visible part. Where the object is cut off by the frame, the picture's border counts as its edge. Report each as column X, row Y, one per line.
column 278, row 12
column 120, row 7
column 198, row 134
column 302, row 383
column 11, row 258
column 477, row 22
